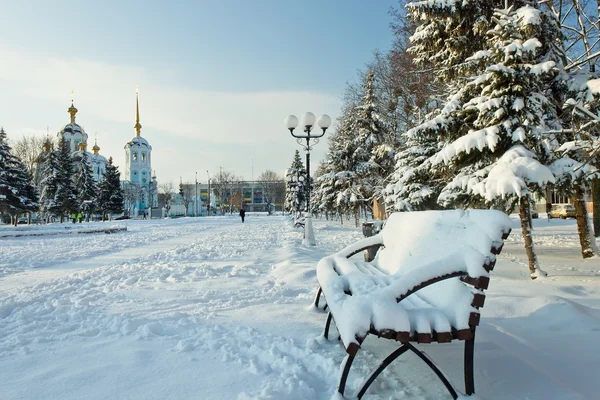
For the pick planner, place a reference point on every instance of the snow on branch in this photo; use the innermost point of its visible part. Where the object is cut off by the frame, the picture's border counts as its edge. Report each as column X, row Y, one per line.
column 511, row 175
column 480, row 139
column 529, row 15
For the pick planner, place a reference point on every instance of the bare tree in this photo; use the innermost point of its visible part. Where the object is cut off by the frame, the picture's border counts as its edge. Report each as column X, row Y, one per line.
column 166, row 195
column 237, row 195
column 188, row 193
column 28, row 148
column 131, row 192
column 273, row 187
column 222, row 184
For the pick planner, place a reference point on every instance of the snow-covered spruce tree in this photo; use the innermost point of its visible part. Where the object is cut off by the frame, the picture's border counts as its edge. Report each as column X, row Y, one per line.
column 374, row 157
column 26, row 196
column 325, row 191
column 297, row 161
column 498, row 146
column 86, row 190
column 30, row 196
column 7, row 191
column 17, row 195
column 324, row 194
column 295, row 186
column 316, row 194
column 344, row 165
column 446, row 34
column 413, row 186
column 48, row 184
column 58, row 192
column 328, row 189
column 110, row 193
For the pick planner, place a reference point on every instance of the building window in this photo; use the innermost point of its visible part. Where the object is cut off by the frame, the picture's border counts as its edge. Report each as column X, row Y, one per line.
column 135, row 172
column 144, row 157
column 134, row 156
column 558, row 198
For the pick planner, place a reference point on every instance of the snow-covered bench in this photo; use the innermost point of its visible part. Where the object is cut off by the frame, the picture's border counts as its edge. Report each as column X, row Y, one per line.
column 425, row 285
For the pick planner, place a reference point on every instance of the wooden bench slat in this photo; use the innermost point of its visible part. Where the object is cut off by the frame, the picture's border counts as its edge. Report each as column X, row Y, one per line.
column 478, row 300
column 462, row 334
column 481, row 282
column 497, row 248
column 489, row 265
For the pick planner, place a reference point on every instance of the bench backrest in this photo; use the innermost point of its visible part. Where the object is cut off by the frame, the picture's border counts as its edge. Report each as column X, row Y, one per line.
column 428, row 239
column 414, row 239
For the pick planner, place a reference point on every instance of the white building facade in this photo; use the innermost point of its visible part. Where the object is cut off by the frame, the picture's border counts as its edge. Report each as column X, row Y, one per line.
column 138, row 172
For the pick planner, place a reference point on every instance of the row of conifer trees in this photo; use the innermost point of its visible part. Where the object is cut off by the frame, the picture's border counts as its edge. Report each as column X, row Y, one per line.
column 478, row 104
column 65, row 185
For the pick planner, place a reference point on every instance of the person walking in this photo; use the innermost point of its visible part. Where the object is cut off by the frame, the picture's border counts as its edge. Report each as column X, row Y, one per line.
column 243, row 214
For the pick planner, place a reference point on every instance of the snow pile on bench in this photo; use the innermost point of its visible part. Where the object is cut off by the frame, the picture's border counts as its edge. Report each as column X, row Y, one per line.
column 418, row 247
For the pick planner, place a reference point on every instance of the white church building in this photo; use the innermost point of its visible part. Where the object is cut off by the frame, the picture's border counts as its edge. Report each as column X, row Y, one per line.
column 76, row 136
column 139, row 184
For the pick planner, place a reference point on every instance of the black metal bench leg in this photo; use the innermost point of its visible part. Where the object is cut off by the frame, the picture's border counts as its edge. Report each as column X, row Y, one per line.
column 345, row 372
column 388, row 360
column 435, row 369
column 327, row 325
column 318, row 297
column 469, row 353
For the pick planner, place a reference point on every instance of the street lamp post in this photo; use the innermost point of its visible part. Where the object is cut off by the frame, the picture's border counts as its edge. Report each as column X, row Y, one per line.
column 241, row 193
column 308, row 122
column 208, row 199
column 196, row 198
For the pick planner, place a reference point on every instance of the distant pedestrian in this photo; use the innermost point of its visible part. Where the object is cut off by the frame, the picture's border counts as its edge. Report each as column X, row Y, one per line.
column 243, row 214
column 143, row 214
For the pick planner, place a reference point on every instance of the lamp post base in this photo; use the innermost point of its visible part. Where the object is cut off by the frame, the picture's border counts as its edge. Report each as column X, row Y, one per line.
column 309, row 236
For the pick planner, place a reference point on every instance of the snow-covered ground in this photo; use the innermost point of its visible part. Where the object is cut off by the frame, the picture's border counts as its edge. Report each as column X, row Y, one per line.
column 208, row 308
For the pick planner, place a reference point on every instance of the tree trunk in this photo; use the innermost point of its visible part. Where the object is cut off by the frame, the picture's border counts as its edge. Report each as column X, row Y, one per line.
column 356, row 216
column 534, row 268
column 585, row 239
column 596, row 199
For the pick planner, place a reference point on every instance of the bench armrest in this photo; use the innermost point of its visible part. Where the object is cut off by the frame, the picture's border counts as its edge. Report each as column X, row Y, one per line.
column 363, row 244
column 413, row 281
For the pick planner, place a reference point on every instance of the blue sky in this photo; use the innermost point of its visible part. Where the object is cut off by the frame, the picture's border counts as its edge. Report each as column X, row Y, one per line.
column 216, row 78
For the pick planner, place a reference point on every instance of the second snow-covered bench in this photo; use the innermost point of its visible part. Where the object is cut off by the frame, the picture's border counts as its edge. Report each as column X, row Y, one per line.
column 425, row 285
